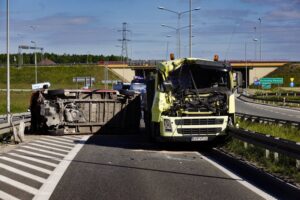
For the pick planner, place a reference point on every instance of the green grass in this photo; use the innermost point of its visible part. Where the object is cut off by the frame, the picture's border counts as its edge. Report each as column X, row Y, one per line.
column 286, row 72
column 284, row 167
column 285, row 132
column 60, row 77
column 19, row 102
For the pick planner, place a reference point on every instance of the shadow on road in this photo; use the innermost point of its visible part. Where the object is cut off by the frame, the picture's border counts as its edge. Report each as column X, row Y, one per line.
column 246, row 172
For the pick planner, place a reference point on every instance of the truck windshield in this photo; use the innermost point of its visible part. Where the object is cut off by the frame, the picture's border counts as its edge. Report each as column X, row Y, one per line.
column 189, row 76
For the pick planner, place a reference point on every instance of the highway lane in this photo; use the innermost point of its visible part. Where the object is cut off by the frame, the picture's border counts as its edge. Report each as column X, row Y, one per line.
column 267, row 111
column 129, row 167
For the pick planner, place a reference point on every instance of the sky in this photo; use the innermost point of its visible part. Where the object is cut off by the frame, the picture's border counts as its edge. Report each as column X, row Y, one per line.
column 229, row 28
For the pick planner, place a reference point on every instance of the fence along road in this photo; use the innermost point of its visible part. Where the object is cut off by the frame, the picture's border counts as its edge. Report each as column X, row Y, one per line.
column 32, row 170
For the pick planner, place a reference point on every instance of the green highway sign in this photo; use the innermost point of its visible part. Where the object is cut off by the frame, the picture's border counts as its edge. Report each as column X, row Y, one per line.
column 266, row 86
column 267, row 81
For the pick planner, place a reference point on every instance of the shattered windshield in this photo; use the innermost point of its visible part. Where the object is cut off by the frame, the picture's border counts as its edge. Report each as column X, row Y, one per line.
column 197, row 77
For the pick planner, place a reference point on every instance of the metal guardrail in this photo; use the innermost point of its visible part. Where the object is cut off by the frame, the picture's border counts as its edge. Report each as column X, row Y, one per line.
column 17, row 90
column 266, row 101
column 275, row 144
column 261, row 119
column 6, row 126
column 280, row 94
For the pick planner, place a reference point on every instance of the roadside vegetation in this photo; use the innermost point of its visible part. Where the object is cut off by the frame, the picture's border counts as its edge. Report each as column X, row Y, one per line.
column 286, row 72
column 284, row 167
column 28, row 58
column 19, row 102
column 285, row 132
column 60, row 77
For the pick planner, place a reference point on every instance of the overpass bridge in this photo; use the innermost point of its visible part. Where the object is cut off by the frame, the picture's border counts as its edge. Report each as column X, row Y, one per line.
column 254, row 69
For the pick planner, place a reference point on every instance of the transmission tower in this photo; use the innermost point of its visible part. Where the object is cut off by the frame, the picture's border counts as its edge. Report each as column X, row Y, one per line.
column 124, row 40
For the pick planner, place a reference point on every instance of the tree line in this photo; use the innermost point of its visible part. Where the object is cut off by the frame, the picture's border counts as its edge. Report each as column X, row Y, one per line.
column 28, row 58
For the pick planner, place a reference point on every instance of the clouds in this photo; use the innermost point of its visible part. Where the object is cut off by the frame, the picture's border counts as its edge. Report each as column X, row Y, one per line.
column 285, row 11
column 279, row 10
column 65, row 20
column 91, row 25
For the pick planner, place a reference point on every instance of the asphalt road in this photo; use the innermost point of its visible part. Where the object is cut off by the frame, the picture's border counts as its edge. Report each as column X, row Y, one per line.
column 129, row 167
column 267, row 111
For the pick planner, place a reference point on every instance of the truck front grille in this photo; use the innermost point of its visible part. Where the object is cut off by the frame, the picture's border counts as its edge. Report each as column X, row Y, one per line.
column 199, row 121
column 198, row 131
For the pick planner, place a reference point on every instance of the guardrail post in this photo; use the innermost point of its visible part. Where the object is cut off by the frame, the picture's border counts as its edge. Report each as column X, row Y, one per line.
column 245, row 145
column 276, row 157
column 284, row 101
column 267, row 153
column 298, row 164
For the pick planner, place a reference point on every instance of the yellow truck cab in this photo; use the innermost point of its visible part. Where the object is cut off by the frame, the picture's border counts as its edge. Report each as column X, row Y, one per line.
column 190, row 100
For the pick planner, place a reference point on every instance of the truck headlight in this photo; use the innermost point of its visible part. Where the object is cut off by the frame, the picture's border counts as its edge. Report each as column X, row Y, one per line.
column 167, row 125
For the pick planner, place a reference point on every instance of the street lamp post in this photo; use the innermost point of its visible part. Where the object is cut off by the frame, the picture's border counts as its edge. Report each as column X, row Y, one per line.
column 35, row 60
column 8, row 62
column 255, row 54
column 259, row 19
column 167, row 50
column 178, row 35
column 246, row 65
column 190, row 32
column 179, row 14
column 255, row 45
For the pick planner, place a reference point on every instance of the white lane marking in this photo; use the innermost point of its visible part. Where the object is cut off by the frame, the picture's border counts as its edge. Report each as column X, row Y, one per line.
column 19, row 185
column 73, row 137
column 61, row 139
column 26, row 165
column 34, row 159
column 52, row 148
column 22, row 173
column 238, row 179
column 4, row 195
column 45, row 151
column 59, row 142
column 48, row 187
column 56, row 145
column 38, row 154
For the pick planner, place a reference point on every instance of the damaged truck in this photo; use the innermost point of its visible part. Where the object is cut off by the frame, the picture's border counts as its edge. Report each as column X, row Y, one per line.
column 190, row 100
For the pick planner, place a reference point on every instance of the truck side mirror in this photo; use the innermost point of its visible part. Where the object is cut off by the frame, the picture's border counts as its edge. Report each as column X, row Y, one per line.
column 168, row 86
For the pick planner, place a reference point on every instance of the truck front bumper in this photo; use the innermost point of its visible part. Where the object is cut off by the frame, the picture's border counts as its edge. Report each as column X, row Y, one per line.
column 187, row 129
